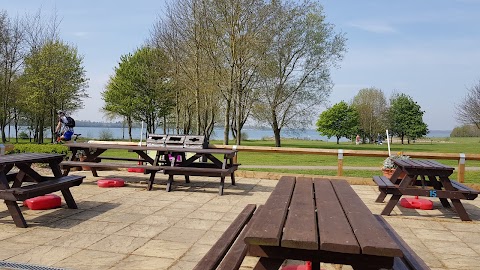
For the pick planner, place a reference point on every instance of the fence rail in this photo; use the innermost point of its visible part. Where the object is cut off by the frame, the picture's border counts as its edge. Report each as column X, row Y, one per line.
column 340, row 153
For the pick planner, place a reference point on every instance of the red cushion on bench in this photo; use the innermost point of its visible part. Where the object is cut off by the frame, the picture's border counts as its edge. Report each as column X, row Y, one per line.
column 138, row 170
column 111, row 182
column 48, row 201
column 416, row 203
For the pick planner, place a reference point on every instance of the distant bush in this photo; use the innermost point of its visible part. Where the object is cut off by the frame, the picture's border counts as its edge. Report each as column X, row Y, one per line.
column 244, row 136
column 40, row 148
column 23, row 135
column 106, row 135
column 465, row 131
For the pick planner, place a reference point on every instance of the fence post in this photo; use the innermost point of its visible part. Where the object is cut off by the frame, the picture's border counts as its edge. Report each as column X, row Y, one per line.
column 340, row 162
column 235, row 158
column 461, row 168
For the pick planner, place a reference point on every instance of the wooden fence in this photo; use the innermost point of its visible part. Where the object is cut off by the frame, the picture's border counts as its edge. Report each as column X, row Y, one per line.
column 341, row 153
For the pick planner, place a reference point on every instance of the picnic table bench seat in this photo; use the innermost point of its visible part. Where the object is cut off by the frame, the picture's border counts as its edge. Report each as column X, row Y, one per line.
column 193, row 170
column 33, row 190
column 115, row 165
column 410, row 260
column 385, row 186
column 230, row 249
column 100, row 158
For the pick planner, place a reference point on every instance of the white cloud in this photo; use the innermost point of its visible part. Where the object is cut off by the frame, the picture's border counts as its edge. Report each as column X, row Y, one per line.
column 374, row 27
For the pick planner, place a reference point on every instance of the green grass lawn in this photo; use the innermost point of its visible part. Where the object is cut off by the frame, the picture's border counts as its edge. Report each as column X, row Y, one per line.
column 435, row 145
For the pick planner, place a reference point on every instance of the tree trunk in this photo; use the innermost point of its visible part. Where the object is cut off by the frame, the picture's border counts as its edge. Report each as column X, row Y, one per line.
column 338, row 140
column 129, row 123
column 226, row 127
column 276, row 134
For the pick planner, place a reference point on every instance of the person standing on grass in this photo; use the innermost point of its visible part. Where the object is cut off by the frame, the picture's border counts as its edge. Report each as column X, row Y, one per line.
column 357, row 139
column 64, row 127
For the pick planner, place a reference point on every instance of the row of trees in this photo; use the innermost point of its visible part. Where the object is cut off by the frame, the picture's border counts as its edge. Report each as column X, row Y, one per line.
column 369, row 114
column 227, row 62
column 39, row 74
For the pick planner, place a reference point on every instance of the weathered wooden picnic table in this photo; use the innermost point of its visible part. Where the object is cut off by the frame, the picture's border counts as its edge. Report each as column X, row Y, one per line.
column 318, row 220
column 203, row 162
column 425, row 178
column 27, row 183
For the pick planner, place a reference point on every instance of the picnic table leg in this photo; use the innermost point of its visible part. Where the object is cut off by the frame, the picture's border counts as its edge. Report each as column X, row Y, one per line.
column 381, row 196
column 460, row 210
column 94, row 172
column 16, row 214
column 232, row 176
column 151, row 180
column 391, row 204
column 66, row 171
column 67, row 195
column 438, row 186
column 169, row 182
column 268, row 264
column 222, row 183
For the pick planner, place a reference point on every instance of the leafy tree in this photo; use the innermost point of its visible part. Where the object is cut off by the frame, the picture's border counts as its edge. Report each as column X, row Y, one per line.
column 140, row 89
column 300, row 49
column 465, row 131
column 371, row 106
column 53, row 79
column 340, row 121
column 12, row 51
column 468, row 111
column 405, row 118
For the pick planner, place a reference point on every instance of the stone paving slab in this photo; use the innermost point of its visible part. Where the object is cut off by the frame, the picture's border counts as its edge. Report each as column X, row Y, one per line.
column 132, row 228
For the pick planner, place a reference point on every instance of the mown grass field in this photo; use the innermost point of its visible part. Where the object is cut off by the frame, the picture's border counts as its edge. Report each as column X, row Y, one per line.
column 436, row 145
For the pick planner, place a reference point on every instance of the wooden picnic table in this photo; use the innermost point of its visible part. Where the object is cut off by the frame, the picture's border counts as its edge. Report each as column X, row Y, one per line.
column 425, row 178
column 27, row 183
column 203, row 162
column 318, row 220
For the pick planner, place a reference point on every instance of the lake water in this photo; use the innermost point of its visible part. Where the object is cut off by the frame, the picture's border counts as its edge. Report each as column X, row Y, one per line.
column 252, row 133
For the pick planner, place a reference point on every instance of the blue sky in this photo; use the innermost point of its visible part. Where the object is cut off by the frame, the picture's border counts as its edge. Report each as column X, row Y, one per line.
column 427, row 49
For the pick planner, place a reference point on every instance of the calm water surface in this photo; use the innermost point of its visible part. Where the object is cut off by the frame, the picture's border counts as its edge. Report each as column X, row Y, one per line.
column 252, row 133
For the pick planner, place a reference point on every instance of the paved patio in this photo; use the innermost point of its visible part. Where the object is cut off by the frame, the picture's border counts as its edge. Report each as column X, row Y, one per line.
column 131, row 228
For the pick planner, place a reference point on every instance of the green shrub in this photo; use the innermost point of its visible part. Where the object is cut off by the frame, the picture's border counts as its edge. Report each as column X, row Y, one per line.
column 106, row 135
column 23, row 135
column 244, row 136
column 40, row 148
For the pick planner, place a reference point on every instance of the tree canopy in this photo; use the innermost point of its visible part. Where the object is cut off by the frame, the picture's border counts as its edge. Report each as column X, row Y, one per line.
column 140, row 89
column 341, row 120
column 405, row 118
column 53, row 79
column 294, row 65
column 468, row 111
column 371, row 106
column 234, row 59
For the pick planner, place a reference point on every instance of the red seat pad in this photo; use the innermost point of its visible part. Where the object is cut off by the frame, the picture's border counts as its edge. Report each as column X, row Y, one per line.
column 416, row 203
column 111, row 182
column 138, row 170
column 48, row 201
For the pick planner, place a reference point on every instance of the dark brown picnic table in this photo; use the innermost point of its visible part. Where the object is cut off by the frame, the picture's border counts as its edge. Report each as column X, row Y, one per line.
column 26, row 182
column 203, row 162
column 318, row 220
column 427, row 178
